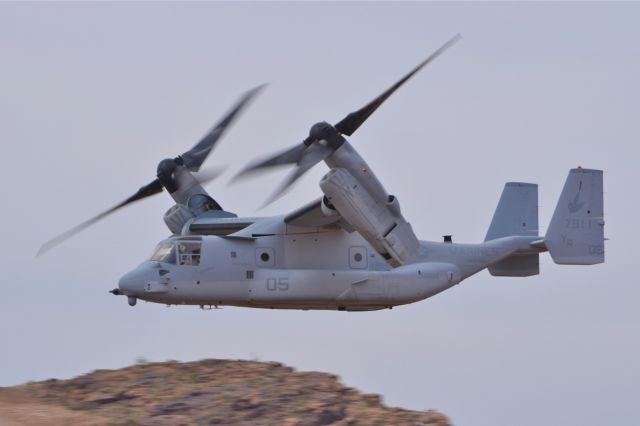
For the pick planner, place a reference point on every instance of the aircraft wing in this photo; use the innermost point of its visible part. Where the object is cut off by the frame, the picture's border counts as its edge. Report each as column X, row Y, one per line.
column 220, row 226
column 311, row 216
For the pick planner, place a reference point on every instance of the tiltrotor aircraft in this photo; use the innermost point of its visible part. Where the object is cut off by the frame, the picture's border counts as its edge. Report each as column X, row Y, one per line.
column 351, row 249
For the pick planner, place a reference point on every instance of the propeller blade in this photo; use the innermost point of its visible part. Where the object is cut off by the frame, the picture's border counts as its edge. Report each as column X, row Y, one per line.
column 291, row 156
column 194, row 158
column 166, row 171
column 204, row 176
column 312, row 156
column 146, row 191
column 351, row 123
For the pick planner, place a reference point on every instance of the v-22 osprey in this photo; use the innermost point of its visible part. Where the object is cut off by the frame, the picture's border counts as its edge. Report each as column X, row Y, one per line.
column 351, row 249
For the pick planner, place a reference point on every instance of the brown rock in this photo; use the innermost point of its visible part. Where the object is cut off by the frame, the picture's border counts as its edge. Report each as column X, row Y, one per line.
column 206, row 392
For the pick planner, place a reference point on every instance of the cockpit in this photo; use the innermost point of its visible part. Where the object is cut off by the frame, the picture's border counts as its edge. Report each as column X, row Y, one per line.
column 184, row 252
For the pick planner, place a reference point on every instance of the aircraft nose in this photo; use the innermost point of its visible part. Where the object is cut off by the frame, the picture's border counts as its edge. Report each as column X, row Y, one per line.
column 133, row 282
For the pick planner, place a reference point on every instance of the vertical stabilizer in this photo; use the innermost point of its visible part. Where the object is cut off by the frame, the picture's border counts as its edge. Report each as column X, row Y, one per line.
column 576, row 232
column 517, row 212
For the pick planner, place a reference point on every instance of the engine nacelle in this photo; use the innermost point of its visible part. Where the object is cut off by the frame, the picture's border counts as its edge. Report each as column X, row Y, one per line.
column 327, row 208
column 379, row 221
column 176, row 217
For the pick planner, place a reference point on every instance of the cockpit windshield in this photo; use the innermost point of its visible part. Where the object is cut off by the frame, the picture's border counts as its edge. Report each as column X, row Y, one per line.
column 180, row 252
column 165, row 252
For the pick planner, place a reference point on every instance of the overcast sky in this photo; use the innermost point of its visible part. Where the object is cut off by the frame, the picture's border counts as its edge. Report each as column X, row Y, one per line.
column 93, row 95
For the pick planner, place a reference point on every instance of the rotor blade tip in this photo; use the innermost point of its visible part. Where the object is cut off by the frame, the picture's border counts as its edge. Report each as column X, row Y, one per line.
column 259, row 88
column 453, row 40
column 46, row 247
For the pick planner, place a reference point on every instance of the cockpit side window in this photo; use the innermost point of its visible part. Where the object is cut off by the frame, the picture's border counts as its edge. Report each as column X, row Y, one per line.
column 166, row 253
column 189, row 253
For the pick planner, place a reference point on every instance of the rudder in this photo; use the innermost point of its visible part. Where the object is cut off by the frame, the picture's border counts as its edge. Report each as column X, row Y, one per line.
column 576, row 233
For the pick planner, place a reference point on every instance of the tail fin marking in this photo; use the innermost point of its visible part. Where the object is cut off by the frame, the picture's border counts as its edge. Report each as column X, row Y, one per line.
column 576, row 233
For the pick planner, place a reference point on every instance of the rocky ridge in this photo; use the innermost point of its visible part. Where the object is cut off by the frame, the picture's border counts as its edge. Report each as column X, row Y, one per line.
column 205, row 392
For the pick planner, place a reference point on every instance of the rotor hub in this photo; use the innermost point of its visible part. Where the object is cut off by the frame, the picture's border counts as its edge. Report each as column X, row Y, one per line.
column 165, row 173
column 324, row 131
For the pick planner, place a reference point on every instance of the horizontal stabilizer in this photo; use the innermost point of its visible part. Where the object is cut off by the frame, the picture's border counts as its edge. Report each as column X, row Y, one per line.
column 517, row 265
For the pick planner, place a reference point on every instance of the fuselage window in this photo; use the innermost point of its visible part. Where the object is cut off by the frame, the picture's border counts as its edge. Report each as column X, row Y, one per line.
column 189, row 253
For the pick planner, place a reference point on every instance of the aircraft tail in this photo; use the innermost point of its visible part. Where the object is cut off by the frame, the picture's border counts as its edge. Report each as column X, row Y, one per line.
column 576, row 233
column 516, row 214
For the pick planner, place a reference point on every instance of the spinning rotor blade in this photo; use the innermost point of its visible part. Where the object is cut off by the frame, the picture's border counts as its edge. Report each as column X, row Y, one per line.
column 311, row 156
column 167, row 178
column 205, row 176
column 324, row 139
column 290, row 156
column 146, row 191
column 349, row 124
column 194, row 158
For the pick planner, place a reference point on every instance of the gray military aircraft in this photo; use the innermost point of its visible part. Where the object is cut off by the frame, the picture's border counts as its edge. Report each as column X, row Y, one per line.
column 351, row 249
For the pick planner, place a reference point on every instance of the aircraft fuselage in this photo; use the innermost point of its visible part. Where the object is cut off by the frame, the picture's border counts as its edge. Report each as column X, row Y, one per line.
column 299, row 268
